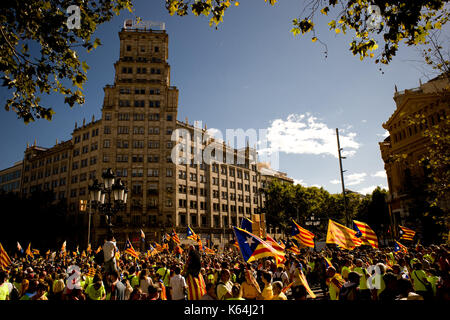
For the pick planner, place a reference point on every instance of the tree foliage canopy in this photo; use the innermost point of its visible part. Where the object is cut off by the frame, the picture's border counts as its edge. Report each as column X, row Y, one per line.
column 372, row 22
column 42, row 25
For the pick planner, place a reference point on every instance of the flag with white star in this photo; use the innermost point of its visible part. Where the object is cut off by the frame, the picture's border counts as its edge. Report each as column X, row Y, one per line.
column 254, row 248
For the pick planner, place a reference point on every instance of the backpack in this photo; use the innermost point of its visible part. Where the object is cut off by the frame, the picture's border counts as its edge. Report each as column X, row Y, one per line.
column 217, row 287
column 14, row 294
column 277, row 277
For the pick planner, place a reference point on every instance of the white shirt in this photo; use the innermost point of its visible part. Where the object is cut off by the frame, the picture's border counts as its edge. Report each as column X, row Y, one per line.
column 177, row 283
column 144, row 284
column 109, row 250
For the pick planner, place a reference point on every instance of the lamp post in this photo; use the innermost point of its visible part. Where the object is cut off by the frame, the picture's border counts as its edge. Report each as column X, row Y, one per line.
column 101, row 200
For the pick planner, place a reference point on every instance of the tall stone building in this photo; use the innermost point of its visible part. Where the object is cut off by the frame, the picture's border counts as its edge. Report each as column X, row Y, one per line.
column 134, row 138
column 405, row 146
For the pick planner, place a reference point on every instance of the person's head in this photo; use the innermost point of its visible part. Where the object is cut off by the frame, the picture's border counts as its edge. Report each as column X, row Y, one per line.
column 359, row 263
column 390, row 280
column 299, row 293
column 417, row 266
column 113, row 276
column 225, row 275
column 110, row 237
column 3, row 276
column 331, row 271
column 280, row 268
column 153, row 292
column 266, row 278
column 177, row 270
column 210, row 289
column 396, row 269
column 277, row 286
column 41, row 288
column 354, row 277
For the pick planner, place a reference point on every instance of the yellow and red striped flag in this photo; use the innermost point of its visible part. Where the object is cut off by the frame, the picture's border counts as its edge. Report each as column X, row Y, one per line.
column 196, row 287
column 342, row 236
column 285, row 289
column 158, row 247
column 209, row 251
column 303, row 236
column 130, row 250
column 406, row 234
column 254, row 248
column 5, row 261
column 292, row 247
column 91, row 272
column 366, row 234
column 175, row 237
column 274, row 244
column 306, row 285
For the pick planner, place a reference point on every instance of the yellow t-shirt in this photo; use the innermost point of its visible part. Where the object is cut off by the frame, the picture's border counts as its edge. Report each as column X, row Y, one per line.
column 267, row 292
column 4, row 291
column 248, row 291
column 280, row 296
column 95, row 294
column 363, row 280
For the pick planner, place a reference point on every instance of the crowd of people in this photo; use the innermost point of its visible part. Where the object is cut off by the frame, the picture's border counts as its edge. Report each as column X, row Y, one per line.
column 421, row 273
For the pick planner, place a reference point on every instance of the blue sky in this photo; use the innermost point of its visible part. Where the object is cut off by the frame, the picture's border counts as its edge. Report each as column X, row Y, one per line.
column 253, row 73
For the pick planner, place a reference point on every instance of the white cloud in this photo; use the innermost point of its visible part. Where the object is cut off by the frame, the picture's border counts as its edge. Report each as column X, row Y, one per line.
column 364, row 121
column 300, row 181
column 354, row 179
column 384, row 135
column 370, row 189
column 335, row 181
column 379, row 174
column 304, row 134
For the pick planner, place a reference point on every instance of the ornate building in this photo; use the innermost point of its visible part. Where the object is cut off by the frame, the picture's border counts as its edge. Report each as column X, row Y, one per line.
column 405, row 146
column 134, row 138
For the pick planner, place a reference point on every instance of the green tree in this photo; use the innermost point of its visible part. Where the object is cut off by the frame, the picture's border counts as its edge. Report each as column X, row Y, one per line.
column 54, row 66
column 372, row 22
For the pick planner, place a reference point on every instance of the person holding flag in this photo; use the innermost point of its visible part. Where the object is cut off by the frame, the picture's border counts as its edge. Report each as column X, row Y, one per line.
column 194, row 279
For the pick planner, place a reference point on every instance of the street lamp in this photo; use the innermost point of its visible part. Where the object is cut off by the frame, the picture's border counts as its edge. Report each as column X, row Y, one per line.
column 101, row 200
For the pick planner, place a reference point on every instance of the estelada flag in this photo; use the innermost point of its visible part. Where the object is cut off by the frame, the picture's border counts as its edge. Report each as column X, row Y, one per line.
column 158, row 247
column 178, row 249
column 247, row 224
column 175, row 237
column 5, row 261
column 342, row 236
column 292, row 247
column 365, row 233
column 190, row 234
column 130, row 250
column 399, row 247
column 303, row 236
column 254, row 248
column 406, row 234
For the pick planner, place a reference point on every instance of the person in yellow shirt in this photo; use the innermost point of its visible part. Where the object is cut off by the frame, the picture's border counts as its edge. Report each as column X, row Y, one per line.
column 334, row 282
column 267, row 293
column 250, row 288
column 96, row 290
column 4, row 289
column 363, row 288
column 277, row 288
column 346, row 269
